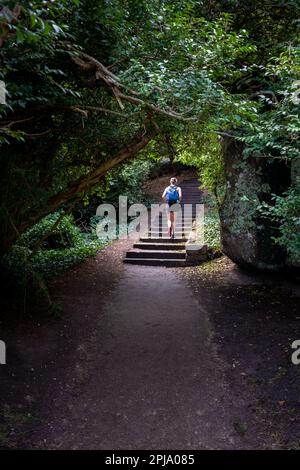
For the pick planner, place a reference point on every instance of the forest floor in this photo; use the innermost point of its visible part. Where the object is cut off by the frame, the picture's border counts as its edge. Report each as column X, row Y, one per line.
column 155, row 358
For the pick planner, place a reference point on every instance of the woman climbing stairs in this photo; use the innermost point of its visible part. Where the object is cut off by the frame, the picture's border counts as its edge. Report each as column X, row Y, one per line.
column 155, row 248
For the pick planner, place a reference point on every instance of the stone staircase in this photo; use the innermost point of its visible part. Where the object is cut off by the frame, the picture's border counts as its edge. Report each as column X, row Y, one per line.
column 155, row 248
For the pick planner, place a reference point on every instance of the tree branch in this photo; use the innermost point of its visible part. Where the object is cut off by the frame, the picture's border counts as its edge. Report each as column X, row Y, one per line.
column 172, row 114
column 12, row 123
column 115, row 85
column 91, row 179
column 265, row 92
column 96, row 108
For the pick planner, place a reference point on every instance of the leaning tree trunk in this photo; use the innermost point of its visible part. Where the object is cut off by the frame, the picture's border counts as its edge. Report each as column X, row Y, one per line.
column 246, row 235
column 76, row 189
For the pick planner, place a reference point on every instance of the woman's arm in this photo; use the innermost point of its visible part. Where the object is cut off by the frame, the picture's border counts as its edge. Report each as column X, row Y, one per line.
column 180, row 193
column 164, row 193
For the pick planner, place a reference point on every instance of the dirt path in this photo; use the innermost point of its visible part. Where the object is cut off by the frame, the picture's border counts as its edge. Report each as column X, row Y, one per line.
column 155, row 381
column 149, row 357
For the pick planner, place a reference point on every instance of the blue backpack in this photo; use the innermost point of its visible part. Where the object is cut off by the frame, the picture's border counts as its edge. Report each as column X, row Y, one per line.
column 172, row 195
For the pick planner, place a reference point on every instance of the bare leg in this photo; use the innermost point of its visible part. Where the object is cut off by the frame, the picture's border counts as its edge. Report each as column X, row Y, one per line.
column 169, row 224
column 172, row 221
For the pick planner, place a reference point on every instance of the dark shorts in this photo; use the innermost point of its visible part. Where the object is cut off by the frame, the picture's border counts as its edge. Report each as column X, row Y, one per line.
column 173, row 207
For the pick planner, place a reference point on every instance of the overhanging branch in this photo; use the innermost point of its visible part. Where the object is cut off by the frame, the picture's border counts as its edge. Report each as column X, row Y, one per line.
column 112, row 81
column 91, row 179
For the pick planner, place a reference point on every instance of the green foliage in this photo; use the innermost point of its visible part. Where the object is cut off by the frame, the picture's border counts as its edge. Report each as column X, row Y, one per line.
column 225, row 68
column 62, row 249
column 29, row 54
column 127, row 180
column 275, row 133
column 65, row 235
column 212, row 231
column 212, row 223
column 285, row 211
column 205, row 155
column 269, row 23
column 50, row 263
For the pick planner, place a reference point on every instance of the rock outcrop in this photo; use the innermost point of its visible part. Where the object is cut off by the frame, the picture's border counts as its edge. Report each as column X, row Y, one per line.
column 246, row 235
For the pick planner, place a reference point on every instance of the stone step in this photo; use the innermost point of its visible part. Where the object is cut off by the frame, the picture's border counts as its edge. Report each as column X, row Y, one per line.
column 190, row 189
column 191, row 192
column 165, row 229
column 193, row 203
column 157, row 254
column 162, row 240
column 164, row 234
column 191, row 200
column 189, row 211
column 171, row 263
column 159, row 233
column 186, row 217
column 165, row 226
column 182, row 221
column 178, row 227
column 159, row 246
column 187, row 205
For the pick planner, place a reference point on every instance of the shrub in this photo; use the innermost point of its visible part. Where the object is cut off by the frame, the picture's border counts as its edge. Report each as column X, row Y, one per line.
column 285, row 211
column 62, row 249
column 65, row 235
column 211, row 227
column 128, row 181
column 212, row 231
